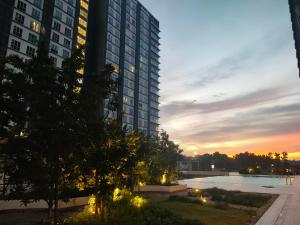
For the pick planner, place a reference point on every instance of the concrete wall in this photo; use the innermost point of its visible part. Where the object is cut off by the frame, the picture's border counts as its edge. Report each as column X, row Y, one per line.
column 206, row 173
column 15, row 204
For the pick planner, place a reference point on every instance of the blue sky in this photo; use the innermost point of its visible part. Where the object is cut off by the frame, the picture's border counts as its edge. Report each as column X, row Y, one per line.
column 229, row 78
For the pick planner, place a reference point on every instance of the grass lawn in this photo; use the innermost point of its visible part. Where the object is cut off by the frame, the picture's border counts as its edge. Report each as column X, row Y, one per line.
column 209, row 215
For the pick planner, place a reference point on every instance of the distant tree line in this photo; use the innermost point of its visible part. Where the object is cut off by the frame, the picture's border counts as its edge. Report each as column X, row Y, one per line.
column 245, row 163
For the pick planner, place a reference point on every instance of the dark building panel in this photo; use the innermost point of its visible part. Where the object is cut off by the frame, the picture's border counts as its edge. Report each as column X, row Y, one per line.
column 6, row 12
column 295, row 16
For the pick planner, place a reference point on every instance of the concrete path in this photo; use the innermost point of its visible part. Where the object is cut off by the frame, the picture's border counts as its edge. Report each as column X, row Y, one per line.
column 286, row 209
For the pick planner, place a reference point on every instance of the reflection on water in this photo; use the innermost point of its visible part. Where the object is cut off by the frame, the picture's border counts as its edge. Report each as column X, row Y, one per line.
column 240, row 180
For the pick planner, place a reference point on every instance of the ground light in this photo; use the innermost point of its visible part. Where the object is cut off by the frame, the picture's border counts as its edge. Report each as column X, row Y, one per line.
column 138, row 201
column 202, row 199
column 163, row 179
column 92, row 204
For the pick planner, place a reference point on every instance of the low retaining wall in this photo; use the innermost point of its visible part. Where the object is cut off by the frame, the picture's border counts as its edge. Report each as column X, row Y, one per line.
column 205, row 173
column 164, row 189
column 17, row 205
column 160, row 192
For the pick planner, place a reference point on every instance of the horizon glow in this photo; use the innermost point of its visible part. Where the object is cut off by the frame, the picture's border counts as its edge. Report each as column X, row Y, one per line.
column 229, row 76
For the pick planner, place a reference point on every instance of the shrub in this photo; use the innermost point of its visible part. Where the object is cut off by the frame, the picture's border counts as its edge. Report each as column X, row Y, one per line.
column 236, row 197
column 183, row 199
column 128, row 215
column 221, row 205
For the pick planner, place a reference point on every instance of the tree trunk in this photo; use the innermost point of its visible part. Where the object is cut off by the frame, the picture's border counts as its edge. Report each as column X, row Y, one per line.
column 55, row 216
column 50, row 205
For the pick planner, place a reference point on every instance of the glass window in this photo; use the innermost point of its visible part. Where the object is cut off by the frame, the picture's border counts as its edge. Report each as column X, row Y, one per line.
column 18, row 31
column 66, row 54
column 70, row 10
column 37, row 3
column 84, row 5
column 56, row 26
column 69, row 21
column 82, row 23
column 21, row 6
column 19, row 18
column 53, row 49
column 30, row 51
column 32, row 38
column 67, row 43
column 68, row 32
column 59, row 4
column 55, row 37
column 54, row 60
column 15, row 45
column 58, row 14
column 36, row 14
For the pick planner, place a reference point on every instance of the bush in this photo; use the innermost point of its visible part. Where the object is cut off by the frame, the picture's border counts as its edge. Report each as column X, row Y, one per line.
column 236, row 197
column 221, row 205
column 127, row 215
column 183, row 199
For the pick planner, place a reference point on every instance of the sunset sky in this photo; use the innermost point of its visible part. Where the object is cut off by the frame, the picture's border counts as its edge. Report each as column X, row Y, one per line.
column 229, row 78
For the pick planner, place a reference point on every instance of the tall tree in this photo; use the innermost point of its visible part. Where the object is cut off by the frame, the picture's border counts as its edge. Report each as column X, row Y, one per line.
column 41, row 157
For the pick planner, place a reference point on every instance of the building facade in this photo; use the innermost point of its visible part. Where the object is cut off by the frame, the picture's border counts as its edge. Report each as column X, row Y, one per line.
column 62, row 23
column 125, row 34
column 295, row 16
column 118, row 32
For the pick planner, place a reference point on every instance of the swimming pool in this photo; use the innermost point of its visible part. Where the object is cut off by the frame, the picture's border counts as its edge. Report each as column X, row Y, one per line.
column 239, row 179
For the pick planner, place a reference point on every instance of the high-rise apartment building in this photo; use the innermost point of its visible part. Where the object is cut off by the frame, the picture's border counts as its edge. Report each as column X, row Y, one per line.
column 118, row 32
column 295, row 16
column 62, row 23
column 125, row 34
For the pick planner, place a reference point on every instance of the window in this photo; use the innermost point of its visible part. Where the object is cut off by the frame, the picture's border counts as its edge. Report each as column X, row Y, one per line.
column 30, row 51
column 19, row 18
column 66, row 54
column 55, row 37
column 32, row 38
column 38, row 3
column 59, row 4
column 80, row 41
column 17, row 31
column 56, row 26
column 53, row 49
column 34, row 26
column 54, row 60
column 15, row 45
column 82, row 31
column 70, row 11
column 36, row 14
column 83, row 14
column 69, row 21
column 58, row 14
column 84, row 5
column 82, row 23
column 68, row 32
column 70, row 2
column 21, row 6
column 67, row 43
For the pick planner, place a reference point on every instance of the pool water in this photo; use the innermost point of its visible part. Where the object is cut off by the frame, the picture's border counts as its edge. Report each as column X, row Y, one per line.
column 238, row 179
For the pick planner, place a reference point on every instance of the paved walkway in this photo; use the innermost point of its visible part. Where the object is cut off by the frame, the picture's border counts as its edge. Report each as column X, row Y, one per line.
column 286, row 209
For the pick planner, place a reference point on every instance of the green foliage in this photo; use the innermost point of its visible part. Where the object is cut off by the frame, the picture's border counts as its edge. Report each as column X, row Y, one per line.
column 127, row 215
column 39, row 145
column 221, row 205
column 236, row 197
column 163, row 158
column 184, row 199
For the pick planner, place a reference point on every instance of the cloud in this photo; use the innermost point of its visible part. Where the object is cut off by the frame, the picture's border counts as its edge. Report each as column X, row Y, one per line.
column 184, row 108
column 264, row 122
column 252, row 56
